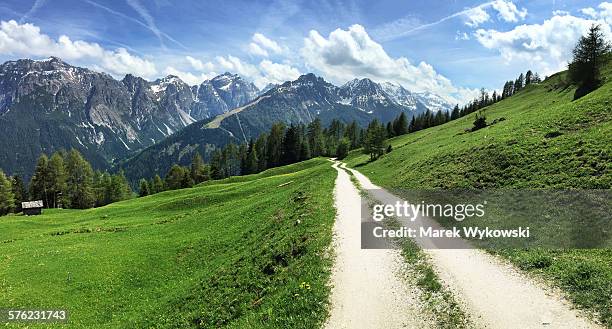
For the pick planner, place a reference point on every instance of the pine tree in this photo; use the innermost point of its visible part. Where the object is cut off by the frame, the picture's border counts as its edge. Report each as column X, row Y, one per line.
column 174, row 178
column 589, row 56
column 144, row 189
column 352, row 133
column 261, row 150
column 305, row 150
column 389, row 128
column 120, row 188
column 291, row 146
column 57, row 180
column 528, row 78
column 19, row 192
column 198, row 169
column 7, row 198
column 216, row 165
column 39, row 184
column 374, row 143
column 79, row 183
column 275, row 145
column 315, row 138
column 343, row 148
column 251, row 165
column 157, row 185
column 400, row 126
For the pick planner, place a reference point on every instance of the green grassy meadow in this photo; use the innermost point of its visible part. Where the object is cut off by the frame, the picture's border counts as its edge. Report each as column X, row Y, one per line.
column 541, row 139
column 245, row 252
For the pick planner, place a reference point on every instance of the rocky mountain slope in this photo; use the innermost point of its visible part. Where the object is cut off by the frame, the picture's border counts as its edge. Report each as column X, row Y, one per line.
column 293, row 102
column 49, row 105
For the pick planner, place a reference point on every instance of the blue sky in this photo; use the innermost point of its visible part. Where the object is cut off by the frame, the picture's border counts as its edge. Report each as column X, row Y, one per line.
column 448, row 47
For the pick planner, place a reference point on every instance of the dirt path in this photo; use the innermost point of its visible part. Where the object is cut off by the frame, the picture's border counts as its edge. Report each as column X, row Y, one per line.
column 494, row 293
column 367, row 292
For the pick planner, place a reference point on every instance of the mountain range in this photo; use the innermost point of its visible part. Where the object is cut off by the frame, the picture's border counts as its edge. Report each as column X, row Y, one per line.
column 49, row 105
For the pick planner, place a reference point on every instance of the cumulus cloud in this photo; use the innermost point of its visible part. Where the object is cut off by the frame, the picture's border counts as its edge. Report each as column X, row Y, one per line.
column 198, row 65
column 263, row 46
column 262, row 74
column 508, row 11
column 276, row 73
column 347, row 54
column 604, row 13
column 476, row 16
column 27, row 40
column 547, row 46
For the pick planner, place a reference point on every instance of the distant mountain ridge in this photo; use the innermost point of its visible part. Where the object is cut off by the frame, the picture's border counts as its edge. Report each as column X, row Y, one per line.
column 48, row 105
column 293, row 102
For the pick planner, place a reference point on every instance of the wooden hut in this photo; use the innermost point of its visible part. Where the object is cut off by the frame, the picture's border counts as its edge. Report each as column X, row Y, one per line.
column 32, row 207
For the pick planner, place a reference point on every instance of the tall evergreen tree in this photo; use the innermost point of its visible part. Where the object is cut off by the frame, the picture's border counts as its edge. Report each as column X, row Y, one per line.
column 291, row 145
column 175, row 177
column 57, row 181
column 7, row 198
column 251, row 165
column 374, row 143
column 157, row 184
column 528, row 78
column 144, row 188
column 315, row 138
column 198, row 169
column 589, row 56
column 19, row 192
column 79, row 183
column 275, row 145
column 400, row 126
column 40, row 182
column 261, row 151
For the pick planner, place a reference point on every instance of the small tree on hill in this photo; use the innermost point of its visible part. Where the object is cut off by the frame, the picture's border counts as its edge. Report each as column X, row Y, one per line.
column 589, row 54
column 19, row 191
column 144, row 189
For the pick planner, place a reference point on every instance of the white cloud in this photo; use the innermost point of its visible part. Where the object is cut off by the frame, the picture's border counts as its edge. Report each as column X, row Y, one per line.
column 28, row 41
column 263, row 46
column 276, row 73
column 255, row 49
column 547, row 46
column 262, row 74
column 267, row 43
column 560, row 13
column 508, row 11
column 188, row 77
column 348, row 54
column 591, row 12
column 462, row 36
column 476, row 16
column 604, row 13
column 198, row 65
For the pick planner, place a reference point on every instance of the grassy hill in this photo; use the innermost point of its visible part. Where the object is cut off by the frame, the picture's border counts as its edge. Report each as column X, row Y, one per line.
column 541, row 138
column 243, row 252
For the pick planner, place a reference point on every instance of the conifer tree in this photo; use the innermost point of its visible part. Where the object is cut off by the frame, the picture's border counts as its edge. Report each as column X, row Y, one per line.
column 39, row 184
column 79, row 183
column 19, row 192
column 198, row 169
column 144, row 189
column 588, row 59
column 57, row 181
column 7, row 198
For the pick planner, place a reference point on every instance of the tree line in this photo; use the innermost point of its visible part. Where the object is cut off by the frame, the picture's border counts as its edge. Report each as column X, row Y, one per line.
column 281, row 145
column 65, row 180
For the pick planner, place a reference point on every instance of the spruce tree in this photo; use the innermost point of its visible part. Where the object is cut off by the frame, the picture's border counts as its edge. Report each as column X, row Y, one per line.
column 400, row 126
column 39, row 184
column 144, row 189
column 291, row 146
column 589, row 57
column 57, row 181
column 157, row 184
column 198, row 169
column 275, row 145
column 79, row 183
column 19, row 192
column 7, row 198
column 175, row 178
